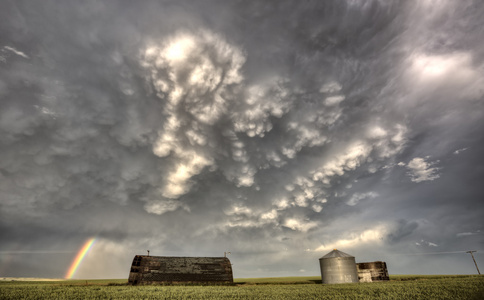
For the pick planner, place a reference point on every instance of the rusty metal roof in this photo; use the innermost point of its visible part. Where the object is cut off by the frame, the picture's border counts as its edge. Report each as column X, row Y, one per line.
column 336, row 253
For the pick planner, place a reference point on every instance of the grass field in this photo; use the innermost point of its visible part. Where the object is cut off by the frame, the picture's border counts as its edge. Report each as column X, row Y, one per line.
column 399, row 287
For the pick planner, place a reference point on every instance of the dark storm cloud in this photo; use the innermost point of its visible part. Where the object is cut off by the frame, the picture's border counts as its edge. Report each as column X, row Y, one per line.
column 404, row 229
column 274, row 130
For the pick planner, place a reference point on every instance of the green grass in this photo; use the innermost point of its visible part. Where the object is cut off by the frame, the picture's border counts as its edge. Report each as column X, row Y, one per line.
column 399, row 287
column 426, row 277
column 280, row 280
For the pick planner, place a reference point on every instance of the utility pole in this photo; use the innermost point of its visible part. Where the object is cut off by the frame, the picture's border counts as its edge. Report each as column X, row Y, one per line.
column 474, row 260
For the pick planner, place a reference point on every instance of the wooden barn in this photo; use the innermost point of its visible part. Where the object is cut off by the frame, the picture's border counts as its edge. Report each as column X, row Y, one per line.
column 372, row 271
column 156, row 269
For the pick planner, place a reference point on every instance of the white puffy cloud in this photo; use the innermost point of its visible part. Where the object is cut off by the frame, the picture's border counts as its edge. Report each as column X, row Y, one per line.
column 308, row 125
column 188, row 164
column 376, row 132
column 299, row 224
column 387, row 142
column 330, row 87
column 420, row 170
column 375, row 146
column 17, row 52
column 242, row 216
column 261, row 101
column 426, row 243
column 373, row 236
column 351, row 158
column 462, row 234
column 317, row 207
column 333, row 100
column 191, row 73
column 357, row 197
column 449, row 72
column 459, row 151
column 160, row 207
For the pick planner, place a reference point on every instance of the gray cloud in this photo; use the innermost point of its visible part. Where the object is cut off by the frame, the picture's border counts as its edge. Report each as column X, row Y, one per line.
column 275, row 131
column 404, row 228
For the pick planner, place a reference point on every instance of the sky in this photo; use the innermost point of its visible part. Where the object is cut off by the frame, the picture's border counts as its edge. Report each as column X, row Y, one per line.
column 273, row 130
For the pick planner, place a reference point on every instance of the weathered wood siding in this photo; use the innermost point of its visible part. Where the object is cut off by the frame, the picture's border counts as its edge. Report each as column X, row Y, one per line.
column 378, row 270
column 153, row 269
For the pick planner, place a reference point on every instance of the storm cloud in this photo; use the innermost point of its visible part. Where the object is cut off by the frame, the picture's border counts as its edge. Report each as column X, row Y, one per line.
column 275, row 130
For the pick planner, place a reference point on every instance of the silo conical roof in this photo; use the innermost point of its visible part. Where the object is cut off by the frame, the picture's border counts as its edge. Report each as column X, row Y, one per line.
column 336, row 253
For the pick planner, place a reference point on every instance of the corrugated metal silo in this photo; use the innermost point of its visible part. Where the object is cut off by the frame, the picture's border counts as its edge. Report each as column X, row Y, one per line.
column 338, row 267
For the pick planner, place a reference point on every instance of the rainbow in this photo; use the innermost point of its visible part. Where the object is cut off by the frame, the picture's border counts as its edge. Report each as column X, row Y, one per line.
column 79, row 257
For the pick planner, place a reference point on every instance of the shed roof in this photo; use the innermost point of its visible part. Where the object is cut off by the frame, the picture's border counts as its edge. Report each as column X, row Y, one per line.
column 336, row 253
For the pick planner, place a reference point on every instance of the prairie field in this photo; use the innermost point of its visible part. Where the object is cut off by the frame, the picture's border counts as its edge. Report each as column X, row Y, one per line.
column 399, row 287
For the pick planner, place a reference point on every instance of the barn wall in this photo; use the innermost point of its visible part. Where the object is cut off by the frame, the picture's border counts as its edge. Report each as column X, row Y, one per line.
column 153, row 269
column 378, row 270
column 364, row 276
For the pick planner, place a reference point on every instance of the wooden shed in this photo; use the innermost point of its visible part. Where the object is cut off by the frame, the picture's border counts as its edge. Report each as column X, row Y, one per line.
column 378, row 271
column 156, row 269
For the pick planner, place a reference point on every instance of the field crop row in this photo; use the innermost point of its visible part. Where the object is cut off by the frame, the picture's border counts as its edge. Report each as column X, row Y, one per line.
column 458, row 287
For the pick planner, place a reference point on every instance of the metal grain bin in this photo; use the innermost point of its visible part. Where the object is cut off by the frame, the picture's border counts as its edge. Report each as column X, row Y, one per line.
column 338, row 267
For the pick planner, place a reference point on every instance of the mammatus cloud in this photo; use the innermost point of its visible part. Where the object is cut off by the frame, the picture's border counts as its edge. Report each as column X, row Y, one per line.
column 357, row 197
column 193, row 128
column 421, row 170
column 159, row 206
column 197, row 77
column 192, row 74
